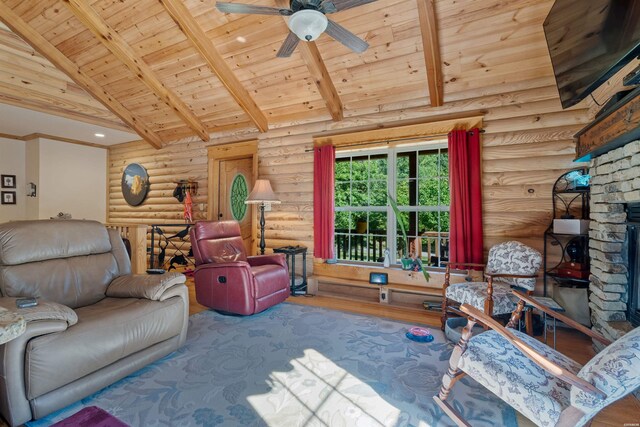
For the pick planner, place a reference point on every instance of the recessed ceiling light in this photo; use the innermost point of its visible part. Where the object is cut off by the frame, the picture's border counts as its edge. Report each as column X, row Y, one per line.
column 99, row 135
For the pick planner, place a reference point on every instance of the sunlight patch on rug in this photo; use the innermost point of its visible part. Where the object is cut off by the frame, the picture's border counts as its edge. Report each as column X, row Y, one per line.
column 318, row 392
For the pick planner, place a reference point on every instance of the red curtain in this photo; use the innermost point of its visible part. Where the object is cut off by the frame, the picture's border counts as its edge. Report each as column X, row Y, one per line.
column 465, row 179
column 323, row 201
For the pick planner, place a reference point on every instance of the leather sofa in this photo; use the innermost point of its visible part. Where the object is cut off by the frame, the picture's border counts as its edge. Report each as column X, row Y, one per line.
column 95, row 322
column 227, row 279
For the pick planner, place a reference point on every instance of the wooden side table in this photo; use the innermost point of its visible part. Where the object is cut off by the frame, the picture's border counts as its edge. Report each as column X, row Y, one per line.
column 12, row 325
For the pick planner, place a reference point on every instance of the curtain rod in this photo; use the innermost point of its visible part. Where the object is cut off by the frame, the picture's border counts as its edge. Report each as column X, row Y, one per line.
column 388, row 141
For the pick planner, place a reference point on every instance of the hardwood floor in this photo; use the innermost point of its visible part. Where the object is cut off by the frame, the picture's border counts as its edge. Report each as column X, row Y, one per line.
column 569, row 342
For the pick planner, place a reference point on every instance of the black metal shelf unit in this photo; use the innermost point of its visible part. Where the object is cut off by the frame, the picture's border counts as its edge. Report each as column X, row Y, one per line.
column 570, row 200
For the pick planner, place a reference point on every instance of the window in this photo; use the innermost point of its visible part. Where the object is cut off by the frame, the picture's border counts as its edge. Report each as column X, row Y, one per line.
column 418, row 178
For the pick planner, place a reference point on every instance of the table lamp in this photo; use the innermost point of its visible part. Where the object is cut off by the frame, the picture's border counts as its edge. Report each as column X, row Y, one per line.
column 260, row 195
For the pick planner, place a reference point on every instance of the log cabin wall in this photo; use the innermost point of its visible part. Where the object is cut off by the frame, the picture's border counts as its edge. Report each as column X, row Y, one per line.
column 494, row 62
column 527, row 145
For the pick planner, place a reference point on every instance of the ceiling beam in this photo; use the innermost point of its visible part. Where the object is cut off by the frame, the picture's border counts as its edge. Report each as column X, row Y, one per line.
column 203, row 44
column 57, row 58
column 431, row 48
column 121, row 49
column 318, row 70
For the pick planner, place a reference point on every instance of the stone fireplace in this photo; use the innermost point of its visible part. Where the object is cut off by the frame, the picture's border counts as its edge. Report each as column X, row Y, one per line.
column 615, row 193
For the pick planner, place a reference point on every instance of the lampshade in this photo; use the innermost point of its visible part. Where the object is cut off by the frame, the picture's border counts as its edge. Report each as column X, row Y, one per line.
column 308, row 24
column 262, row 193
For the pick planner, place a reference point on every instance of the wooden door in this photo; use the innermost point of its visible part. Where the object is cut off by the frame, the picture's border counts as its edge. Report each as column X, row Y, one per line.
column 236, row 181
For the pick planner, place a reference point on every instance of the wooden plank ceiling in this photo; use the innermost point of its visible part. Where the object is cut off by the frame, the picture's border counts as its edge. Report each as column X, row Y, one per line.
column 215, row 72
column 172, row 69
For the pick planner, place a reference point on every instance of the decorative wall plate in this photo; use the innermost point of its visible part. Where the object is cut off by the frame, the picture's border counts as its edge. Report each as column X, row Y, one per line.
column 135, row 184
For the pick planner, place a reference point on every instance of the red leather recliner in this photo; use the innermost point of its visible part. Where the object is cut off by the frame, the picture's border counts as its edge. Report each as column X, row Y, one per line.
column 229, row 281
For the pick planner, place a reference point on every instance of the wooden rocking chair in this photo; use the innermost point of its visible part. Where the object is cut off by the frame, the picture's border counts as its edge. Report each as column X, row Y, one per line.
column 542, row 384
column 510, row 264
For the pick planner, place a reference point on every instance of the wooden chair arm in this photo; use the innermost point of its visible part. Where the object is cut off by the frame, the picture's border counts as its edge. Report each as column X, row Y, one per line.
column 467, row 264
column 447, row 272
column 534, row 356
column 511, row 276
column 564, row 319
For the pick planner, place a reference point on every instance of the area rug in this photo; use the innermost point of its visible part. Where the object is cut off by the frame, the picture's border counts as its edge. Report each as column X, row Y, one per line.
column 91, row 416
column 295, row 365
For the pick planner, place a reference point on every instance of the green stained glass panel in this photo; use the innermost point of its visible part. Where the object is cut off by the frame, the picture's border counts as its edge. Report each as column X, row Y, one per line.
column 238, row 195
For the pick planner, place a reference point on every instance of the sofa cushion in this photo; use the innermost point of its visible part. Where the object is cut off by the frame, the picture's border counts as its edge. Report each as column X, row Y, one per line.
column 66, row 261
column 217, row 242
column 105, row 333
column 475, row 294
column 502, row 368
column 30, row 241
column 614, row 371
column 74, row 282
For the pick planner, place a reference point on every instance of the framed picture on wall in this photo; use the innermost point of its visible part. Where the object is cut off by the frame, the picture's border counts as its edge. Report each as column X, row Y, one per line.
column 8, row 181
column 8, row 197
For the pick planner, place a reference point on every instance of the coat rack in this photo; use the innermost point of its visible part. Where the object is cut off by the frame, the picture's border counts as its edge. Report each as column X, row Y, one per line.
column 184, row 186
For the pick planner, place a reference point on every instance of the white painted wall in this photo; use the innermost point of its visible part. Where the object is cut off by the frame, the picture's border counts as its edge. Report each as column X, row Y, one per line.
column 73, row 179
column 12, row 162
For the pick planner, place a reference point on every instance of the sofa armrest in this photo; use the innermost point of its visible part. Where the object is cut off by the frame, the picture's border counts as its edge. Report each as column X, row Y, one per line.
column 14, row 404
column 148, row 286
column 45, row 310
column 277, row 259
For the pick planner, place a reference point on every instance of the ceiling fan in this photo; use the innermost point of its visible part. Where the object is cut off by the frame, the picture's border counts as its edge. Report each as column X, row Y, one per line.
column 307, row 21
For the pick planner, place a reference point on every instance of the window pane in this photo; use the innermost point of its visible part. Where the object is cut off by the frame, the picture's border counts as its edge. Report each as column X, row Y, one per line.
column 428, row 164
column 428, row 222
column 343, row 223
column 343, row 172
column 444, row 164
column 444, row 222
column 445, row 197
column 404, row 220
column 378, row 223
column 402, row 193
column 343, row 194
column 429, row 192
column 378, row 193
column 360, row 169
column 377, row 239
column 402, row 166
column 359, row 222
column 359, row 194
column 378, row 168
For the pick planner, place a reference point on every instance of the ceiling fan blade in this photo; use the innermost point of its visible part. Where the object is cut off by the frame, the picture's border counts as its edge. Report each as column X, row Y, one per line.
column 338, row 5
column 288, row 46
column 346, row 37
column 251, row 9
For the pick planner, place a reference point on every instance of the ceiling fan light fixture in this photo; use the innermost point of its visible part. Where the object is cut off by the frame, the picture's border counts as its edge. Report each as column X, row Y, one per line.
column 308, row 24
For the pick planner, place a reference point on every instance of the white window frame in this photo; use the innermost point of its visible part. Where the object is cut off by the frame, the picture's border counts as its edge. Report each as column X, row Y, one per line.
column 392, row 181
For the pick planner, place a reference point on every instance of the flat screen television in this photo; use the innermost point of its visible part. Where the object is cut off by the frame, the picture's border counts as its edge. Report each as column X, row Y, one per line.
column 589, row 41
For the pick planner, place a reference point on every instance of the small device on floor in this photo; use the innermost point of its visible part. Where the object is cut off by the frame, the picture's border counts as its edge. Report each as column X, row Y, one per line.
column 155, row 271
column 419, row 334
column 26, row 302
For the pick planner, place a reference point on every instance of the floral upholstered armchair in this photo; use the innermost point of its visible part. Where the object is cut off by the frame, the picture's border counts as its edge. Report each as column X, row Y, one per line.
column 510, row 264
column 542, row 384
